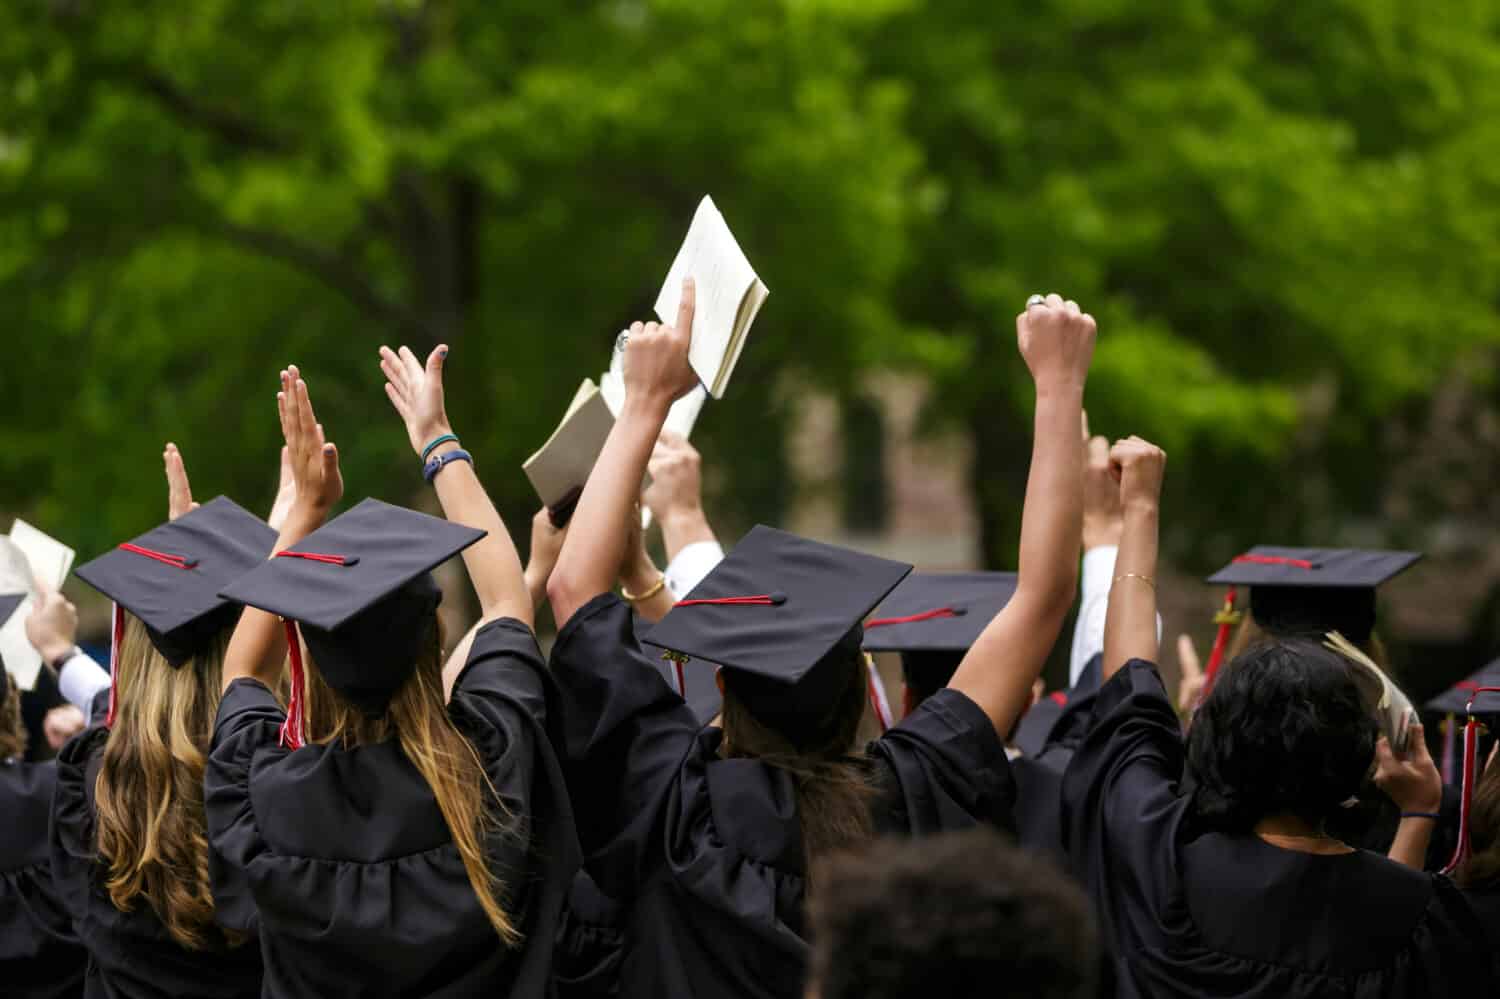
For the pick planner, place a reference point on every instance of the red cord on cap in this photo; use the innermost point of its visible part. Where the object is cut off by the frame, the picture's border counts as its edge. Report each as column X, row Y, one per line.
column 316, row 557
column 175, row 561
column 292, row 728
column 772, row 599
column 1296, row 563
column 881, row 622
column 1466, row 797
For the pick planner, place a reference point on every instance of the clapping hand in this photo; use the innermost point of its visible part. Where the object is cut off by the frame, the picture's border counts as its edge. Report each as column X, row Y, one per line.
column 314, row 460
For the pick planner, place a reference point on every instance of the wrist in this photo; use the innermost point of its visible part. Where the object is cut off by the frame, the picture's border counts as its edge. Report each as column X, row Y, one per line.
column 1062, row 387
column 423, row 441
column 646, row 404
column 56, row 652
column 640, row 575
column 1142, row 508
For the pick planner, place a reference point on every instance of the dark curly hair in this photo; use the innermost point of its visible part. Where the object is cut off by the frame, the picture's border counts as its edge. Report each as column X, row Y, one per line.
column 956, row 915
column 1284, row 730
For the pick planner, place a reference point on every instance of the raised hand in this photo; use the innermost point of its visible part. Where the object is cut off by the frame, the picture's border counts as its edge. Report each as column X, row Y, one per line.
column 52, row 625
column 1056, row 339
column 1138, row 466
column 1190, row 685
column 1102, row 518
column 416, row 390
column 286, row 492
column 1411, row 779
column 676, row 477
column 179, row 493
column 314, row 460
column 656, row 356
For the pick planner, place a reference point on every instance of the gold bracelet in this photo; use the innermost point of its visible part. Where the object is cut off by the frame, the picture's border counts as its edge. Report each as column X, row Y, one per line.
column 647, row 594
column 1135, row 575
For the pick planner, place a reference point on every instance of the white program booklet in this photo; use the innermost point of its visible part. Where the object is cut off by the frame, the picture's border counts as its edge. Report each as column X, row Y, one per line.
column 729, row 294
column 563, row 463
column 29, row 556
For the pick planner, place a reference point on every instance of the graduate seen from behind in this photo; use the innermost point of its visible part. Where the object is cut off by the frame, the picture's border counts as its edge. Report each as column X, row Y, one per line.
column 1235, row 887
column 710, row 836
column 387, row 842
column 129, row 843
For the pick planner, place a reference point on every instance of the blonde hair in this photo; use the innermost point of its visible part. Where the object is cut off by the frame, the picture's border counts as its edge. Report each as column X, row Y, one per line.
column 417, row 718
column 12, row 731
column 152, row 834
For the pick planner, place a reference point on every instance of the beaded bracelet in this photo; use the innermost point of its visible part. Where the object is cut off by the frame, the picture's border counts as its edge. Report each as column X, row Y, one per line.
column 1434, row 816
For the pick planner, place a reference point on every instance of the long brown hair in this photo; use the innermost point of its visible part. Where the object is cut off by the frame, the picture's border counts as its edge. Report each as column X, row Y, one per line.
column 152, row 833
column 1483, row 865
column 832, row 785
column 12, row 731
column 417, row 717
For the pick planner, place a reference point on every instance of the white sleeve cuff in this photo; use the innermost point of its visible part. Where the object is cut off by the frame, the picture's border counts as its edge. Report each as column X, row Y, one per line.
column 690, row 566
column 80, row 678
column 1098, row 570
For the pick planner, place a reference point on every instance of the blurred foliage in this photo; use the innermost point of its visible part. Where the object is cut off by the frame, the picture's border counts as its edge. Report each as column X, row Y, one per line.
column 1284, row 215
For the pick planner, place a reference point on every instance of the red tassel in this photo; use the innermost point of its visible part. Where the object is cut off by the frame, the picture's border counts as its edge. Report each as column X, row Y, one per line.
column 760, row 598
column 876, row 690
column 1296, row 563
column 292, row 728
column 681, row 680
column 116, row 633
column 175, row 561
column 1471, row 751
column 1226, row 618
column 316, row 557
column 881, row 622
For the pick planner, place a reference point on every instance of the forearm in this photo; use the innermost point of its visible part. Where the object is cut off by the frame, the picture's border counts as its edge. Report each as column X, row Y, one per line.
column 1130, row 622
column 257, row 649
column 595, row 545
column 493, row 563
column 683, row 527
column 998, row 671
column 1410, row 844
column 458, row 658
column 536, row 586
column 1051, row 519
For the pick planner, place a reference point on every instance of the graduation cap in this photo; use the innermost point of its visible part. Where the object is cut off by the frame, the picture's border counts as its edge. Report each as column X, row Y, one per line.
column 781, row 614
column 933, row 618
column 362, row 590
column 1308, row 592
column 170, row 576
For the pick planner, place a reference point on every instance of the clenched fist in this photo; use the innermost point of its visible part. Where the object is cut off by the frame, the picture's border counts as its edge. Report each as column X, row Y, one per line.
column 1138, row 465
column 1056, row 339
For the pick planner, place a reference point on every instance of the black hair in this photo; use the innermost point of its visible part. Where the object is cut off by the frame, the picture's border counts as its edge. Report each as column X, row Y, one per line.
column 956, row 915
column 1285, row 730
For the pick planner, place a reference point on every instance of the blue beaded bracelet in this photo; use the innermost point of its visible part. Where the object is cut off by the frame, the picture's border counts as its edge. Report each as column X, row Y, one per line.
column 1434, row 816
column 430, row 470
column 427, row 451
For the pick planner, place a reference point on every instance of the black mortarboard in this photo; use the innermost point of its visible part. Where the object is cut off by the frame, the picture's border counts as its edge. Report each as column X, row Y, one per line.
column 933, row 618
column 170, row 576
column 1307, row 592
column 362, row 590
column 773, row 613
column 8, row 604
column 1455, row 699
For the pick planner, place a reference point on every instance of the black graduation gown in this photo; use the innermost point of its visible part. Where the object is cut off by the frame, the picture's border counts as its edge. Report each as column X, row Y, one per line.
column 704, row 853
column 346, row 860
column 1193, row 913
column 1486, row 902
column 39, row 955
column 130, row 953
column 590, row 943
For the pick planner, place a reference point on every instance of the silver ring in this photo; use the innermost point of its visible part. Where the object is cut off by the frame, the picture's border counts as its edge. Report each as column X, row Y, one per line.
column 622, row 340
column 1035, row 300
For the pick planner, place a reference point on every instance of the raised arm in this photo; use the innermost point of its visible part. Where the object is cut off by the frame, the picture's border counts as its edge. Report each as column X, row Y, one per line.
column 494, row 567
column 1130, row 626
column 657, row 373
column 258, row 646
column 1056, row 340
column 675, row 495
